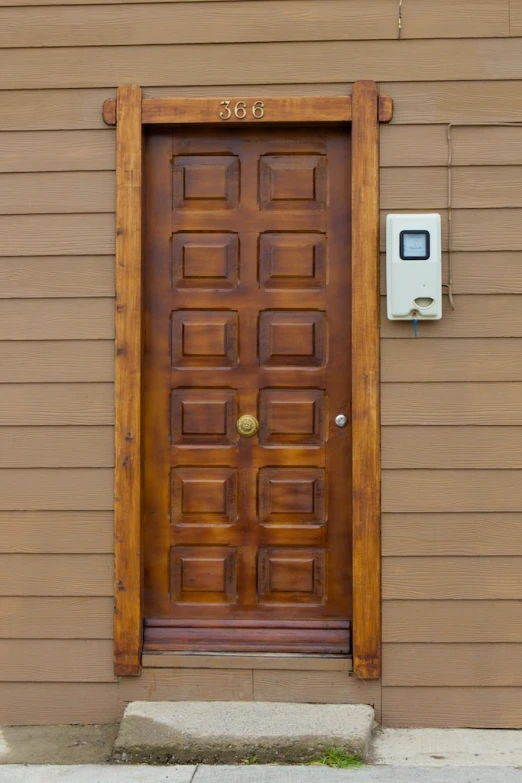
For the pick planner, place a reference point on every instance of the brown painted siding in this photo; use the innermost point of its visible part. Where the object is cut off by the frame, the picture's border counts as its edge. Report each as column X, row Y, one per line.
column 452, row 416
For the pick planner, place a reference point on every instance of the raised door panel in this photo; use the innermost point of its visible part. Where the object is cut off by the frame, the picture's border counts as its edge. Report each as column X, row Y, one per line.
column 292, row 496
column 203, row 417
column 292, row 260
column 207, row 261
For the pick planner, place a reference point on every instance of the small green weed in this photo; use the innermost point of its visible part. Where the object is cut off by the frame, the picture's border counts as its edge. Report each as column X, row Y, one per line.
column 251, row 760
column 339, row 758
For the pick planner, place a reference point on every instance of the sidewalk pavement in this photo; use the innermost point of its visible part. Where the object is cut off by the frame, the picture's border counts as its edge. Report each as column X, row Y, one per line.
column 91, row 773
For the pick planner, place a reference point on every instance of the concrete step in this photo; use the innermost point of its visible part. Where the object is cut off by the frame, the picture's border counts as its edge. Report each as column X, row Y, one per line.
column 189, row 732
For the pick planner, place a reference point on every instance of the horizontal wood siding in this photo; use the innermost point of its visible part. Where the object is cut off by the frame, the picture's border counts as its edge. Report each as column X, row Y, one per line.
column 471, row 707
column 268, row 63
column 59, row 660
column 435, row 621
column 75, row 532
column 55, row 618
column 23, row 703
column 70, row 277
column 451, row 399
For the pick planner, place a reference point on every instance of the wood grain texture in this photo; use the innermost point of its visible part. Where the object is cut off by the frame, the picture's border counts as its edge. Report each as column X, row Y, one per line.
column 465, row 101
column 324, row 109
column 320, row 688
column 413, row 145
column 516, row 17
column 52, row 361
column 273, row 63
column 480, row 359
column 56, row 404
column 56, row 447
column 451, row 490
column 57, row 192
column 487, row 186
column 187, row 685
column 82, row 532
column 451, row 403
column 56, row 660
column 127, row 433
column 442, row 102
column 427, row 145
column 57, row 319
column 473, row 273
column 489, row 708
column 471, row 534
column 55, row 235
column 53, row 110
column 479, row 664
column 480, row 272
column 452, row 447
column 450, row 19
column 277, row 592
column 365, row 381
column 485, row 146
column 452, row 621
column 82, row 150
column 43, row 703
column 55, row 618
column 414, row 188
column 491, row 315
column 288, row 110
column 56, row 575
column 174, row 110
column 308, row 663
column 49, row 489
column 469, row 578
column 494, row 229
column 59, row 276
column 472, row 187
column 188, row 23
column 96, row 2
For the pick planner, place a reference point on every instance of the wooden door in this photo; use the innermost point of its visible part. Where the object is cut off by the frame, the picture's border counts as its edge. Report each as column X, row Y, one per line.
column 247, row 540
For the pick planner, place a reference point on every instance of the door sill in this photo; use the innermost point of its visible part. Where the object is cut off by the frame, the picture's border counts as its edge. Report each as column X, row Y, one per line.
column 234, row 660
column 320, row 637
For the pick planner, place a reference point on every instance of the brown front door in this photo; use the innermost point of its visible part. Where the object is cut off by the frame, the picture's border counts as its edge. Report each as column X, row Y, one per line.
column 247, row 537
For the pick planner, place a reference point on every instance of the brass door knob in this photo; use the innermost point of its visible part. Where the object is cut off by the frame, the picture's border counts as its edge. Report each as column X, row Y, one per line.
column 247, row 425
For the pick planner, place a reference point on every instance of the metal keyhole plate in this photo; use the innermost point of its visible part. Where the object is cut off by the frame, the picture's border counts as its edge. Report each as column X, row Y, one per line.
column 341, row 420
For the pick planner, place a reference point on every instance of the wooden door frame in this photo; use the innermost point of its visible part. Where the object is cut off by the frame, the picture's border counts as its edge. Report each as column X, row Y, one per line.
column 364, row 109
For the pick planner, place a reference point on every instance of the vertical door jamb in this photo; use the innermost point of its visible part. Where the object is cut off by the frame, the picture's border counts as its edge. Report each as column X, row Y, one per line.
column 366, row 470
column 127, row 501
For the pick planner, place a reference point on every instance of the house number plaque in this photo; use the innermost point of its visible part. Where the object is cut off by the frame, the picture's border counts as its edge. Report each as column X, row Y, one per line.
column 240, row 109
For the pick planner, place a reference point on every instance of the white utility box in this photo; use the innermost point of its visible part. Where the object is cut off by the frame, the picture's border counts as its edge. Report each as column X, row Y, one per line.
column 413, row 267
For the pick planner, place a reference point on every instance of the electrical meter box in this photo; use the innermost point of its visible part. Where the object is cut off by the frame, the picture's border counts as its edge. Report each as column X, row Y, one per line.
column 413, row 267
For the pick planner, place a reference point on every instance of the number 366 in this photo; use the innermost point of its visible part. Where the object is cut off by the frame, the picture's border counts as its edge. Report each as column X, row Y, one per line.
column 240, row 110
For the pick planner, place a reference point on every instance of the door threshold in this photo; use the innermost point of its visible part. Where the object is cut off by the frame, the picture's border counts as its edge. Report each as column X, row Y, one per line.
column 235, row 660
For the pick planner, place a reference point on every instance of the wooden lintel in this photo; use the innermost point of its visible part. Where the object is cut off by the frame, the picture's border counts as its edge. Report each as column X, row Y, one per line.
column 171, row 111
